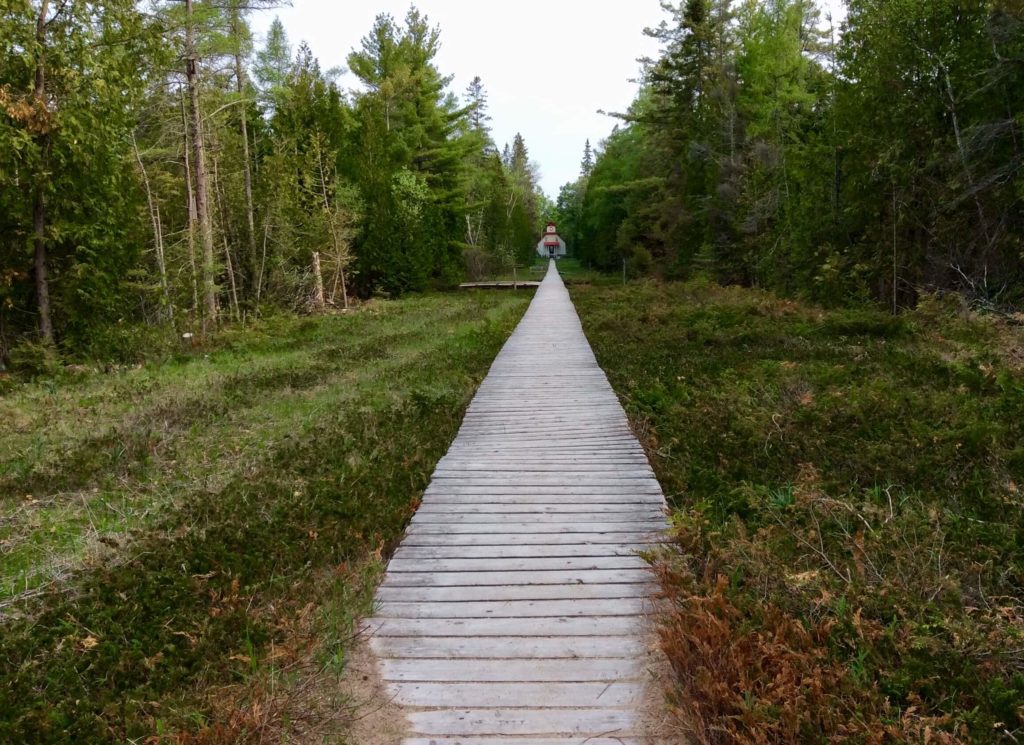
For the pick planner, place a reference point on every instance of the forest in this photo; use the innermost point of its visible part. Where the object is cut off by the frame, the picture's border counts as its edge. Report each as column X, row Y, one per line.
column 162, row 174
column 232, row 356
column 872, row 161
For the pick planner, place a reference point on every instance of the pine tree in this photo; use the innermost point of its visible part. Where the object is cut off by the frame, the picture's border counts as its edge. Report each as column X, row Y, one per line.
column 69, row 94
column 587, row 164
column 476, row 100
column 411, row 154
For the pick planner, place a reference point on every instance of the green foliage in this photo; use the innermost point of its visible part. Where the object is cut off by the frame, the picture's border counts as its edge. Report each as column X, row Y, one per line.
column 877, row 161
column 847, row 503
column 296, row 171
column 215, row 498
column 66, row 146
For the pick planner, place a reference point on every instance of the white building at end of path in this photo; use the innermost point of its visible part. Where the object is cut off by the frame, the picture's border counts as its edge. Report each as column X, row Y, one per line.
column 551, row 244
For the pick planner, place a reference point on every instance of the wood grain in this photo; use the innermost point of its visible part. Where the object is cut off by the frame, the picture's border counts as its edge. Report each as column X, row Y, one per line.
column 516, row 605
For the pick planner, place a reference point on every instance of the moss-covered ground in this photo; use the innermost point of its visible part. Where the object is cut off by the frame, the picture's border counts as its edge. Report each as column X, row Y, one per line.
column 846, row 487
column 182, row 543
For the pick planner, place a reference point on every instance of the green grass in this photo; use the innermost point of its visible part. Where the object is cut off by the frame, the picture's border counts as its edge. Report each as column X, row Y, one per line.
column 847, row 502
column 573, row 271
column 165, row 526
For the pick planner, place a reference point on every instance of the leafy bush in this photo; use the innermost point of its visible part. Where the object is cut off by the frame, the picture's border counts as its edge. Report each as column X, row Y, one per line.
column 35, row 359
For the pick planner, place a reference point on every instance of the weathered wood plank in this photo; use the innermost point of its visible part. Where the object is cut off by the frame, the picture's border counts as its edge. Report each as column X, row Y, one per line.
column 419, row 566
column 518, row 695
column 521, row 647
column 639, row 537
column 533, row 528
column 514, row 610
column 573, row 740
column 564, row 503
column 592, row 490
column 517, row 551
column 650, row 509
column 532, row 577
column 421, row 628
column 595, row 669
column 522, row 721
column 515, row 592
column 537, row 518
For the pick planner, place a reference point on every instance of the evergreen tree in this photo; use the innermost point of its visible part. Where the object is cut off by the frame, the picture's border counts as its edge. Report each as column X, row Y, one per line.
column 410, row 158
column 476, row 101
column 587, row 164
column 69, row 92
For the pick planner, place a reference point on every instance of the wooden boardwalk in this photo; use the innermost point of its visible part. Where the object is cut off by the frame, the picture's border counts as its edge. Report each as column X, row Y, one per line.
column 514, row 610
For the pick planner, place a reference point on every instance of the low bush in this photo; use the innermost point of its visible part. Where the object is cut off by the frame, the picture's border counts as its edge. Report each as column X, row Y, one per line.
column 265, row 494
column 848, row 562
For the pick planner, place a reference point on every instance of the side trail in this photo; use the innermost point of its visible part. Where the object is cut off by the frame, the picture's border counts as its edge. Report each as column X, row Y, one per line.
column 515, row 609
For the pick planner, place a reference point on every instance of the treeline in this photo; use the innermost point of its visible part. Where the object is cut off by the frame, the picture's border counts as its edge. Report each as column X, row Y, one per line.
column 875, row 161
column 161, row 172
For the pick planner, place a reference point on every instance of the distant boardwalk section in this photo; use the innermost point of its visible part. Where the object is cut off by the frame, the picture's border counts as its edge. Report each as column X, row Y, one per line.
column 514, row 609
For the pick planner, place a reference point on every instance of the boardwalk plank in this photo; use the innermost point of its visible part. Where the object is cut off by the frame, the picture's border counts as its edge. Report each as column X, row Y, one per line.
column 518, row 609
column 515, row 609
column 508, row 671
column 421, row 628
column 519, row 647
column 518, row 695
column 522, row 721
column 515, row 592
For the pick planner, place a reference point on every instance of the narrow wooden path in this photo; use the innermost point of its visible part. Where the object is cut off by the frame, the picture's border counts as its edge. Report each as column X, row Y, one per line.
column 514, row 610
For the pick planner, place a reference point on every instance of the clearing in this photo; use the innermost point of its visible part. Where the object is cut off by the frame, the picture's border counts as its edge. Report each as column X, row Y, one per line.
column 848, row 515
column 184, row 543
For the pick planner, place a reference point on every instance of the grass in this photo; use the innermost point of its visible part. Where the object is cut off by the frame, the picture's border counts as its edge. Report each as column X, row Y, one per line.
column 573, row 271
column 848, row 562
column 181, row 539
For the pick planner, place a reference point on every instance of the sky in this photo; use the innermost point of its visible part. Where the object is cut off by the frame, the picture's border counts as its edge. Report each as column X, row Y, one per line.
column 547, row 66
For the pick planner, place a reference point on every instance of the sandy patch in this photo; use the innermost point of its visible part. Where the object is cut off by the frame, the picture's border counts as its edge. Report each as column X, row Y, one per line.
column 376, row 719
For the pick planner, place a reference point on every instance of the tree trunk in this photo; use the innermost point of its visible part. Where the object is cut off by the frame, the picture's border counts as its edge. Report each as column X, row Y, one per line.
column 201, row 176
column 42, row 282
column 218, row 190
column 318, row 278
column 263, row 264
column 246, row 166
column 158, row 234
column 191, row 213
column 39, row 194
column 340, row 252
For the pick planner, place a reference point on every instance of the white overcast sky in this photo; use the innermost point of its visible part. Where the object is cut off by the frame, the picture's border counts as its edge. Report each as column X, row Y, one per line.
column 547, row 66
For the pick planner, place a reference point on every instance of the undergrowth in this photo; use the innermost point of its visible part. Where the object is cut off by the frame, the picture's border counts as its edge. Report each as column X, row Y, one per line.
column 849, row 526
column 265, row 482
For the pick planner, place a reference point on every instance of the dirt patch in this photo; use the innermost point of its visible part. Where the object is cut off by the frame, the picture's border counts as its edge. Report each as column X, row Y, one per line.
column 376, row 718
column 657, row 725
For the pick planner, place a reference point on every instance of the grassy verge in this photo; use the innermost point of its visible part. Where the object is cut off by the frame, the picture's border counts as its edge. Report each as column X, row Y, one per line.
column 849, row 524
column 173, row 533
column 573, row 271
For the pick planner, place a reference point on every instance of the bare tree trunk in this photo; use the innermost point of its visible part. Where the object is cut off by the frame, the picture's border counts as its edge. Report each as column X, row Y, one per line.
column 231, row 275
column 344, row 291
column 201, row 177
column 39, row 194
column 158, row 234
column 42, row 281
column 218, row 190
column 340, row 253
column 246, row 166
column 263, row 264
column 318, row 278
column 964, row 162
column 191, row 213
